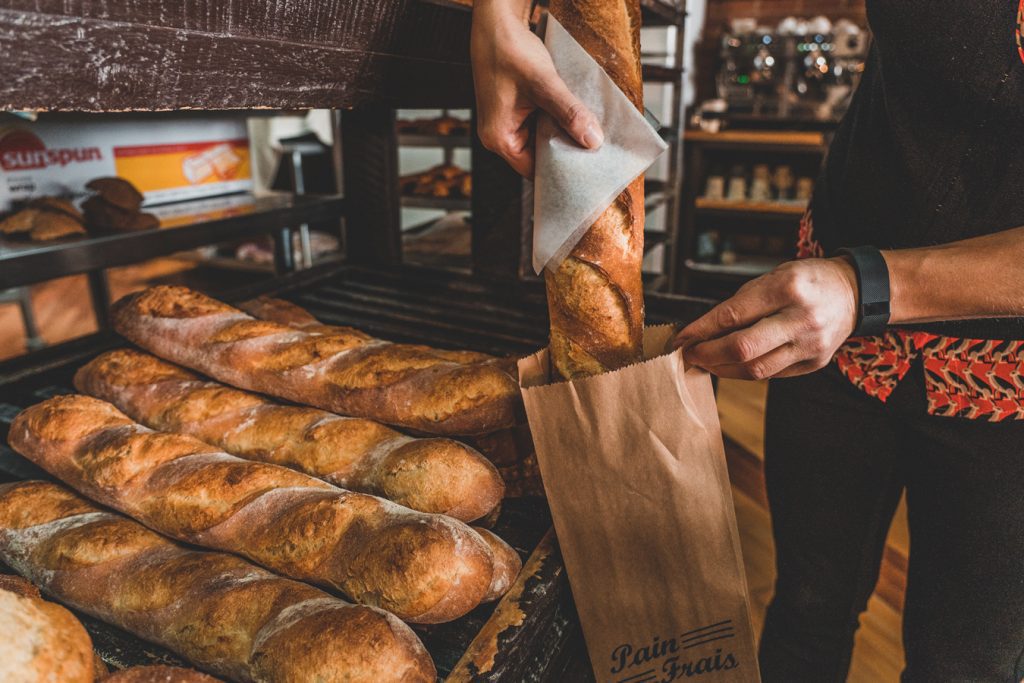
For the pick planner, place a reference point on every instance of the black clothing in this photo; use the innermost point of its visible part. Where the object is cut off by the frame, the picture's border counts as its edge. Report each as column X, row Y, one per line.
column 836, row 463
column 932, row 148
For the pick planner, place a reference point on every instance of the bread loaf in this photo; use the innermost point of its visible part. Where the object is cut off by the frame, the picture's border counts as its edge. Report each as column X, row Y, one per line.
column 431, row 475
column 39, row 640
column 595, row 296
column 159, row 674
column 287, row 313
column 216, row 610
column 342, row 373
column 424, row 568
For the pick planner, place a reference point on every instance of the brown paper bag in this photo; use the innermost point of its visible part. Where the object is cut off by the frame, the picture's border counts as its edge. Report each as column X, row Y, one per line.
column 634, row 469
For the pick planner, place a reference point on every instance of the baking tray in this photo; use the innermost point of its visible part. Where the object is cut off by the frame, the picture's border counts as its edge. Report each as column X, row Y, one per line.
column 533, row 633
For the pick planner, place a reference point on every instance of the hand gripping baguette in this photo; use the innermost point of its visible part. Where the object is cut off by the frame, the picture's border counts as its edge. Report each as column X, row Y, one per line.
column 39, row 640
column 343, row 373
column 430, row 475
column 424, row 568
column 216, row 610
column 595, row 296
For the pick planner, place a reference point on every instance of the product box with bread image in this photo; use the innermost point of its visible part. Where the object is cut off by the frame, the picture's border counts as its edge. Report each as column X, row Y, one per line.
column 167, row 158
column 620, row 423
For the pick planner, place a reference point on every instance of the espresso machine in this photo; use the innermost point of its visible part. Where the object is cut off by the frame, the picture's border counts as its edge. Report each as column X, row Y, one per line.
column 800, row 70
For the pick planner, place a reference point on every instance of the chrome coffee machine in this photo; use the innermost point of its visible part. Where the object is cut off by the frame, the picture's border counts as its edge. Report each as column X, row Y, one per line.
column 799, row 70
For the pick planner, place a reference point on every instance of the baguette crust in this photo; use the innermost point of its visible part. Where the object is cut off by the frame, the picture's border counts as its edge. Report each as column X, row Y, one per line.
column 339, row 372
column 424, row 568
column 430, row 475
column 216, row 610
column 595, row 296
column 39, row 640
column 287, row 313
column 159, row 674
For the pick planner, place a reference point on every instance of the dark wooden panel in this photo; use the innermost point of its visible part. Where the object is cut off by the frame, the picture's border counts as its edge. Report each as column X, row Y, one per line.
column 369, row 154
column 497, row 206
column 159, row 55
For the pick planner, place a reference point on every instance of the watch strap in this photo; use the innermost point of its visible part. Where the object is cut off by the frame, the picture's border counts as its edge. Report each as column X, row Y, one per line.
column 873, row 290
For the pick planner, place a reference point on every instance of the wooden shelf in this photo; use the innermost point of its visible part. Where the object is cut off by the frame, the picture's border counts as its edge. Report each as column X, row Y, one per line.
column 740, row 270
column 180, row 228
column 425, row 140
column 810, row 142
column 156, row 56
column 440, row 203
column 749, row 208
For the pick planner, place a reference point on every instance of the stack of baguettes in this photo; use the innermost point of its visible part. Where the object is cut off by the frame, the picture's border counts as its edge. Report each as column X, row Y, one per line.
column 257, row 479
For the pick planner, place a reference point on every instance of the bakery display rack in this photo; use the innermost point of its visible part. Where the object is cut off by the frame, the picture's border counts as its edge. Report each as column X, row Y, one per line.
column 279, row 214
column 763, row 230
column 531, row 634
column 363, row 59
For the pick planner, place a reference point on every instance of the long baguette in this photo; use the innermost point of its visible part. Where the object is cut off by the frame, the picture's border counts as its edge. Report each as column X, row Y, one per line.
column 424, row 568
column 159, row 674
column 345, row 374
column 595, row 296
column 287, row 313
column 216, row 610
column 430, row 475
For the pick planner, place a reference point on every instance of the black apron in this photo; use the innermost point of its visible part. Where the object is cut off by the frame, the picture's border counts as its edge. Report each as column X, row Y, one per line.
column 932, row 148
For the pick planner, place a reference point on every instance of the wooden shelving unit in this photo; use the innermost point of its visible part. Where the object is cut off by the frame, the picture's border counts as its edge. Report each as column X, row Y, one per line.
column 769, row 221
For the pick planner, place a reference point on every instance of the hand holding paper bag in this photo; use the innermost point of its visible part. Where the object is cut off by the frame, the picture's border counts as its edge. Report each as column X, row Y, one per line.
column 630, row 449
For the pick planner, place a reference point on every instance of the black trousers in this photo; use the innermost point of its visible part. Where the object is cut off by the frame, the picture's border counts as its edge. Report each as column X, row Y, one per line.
column 836, row 463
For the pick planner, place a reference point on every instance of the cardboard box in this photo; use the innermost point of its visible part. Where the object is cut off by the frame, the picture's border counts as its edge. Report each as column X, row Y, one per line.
column 167, row 159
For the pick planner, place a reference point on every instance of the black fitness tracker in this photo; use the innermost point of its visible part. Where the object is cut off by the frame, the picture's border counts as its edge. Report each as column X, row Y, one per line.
column 873, row 287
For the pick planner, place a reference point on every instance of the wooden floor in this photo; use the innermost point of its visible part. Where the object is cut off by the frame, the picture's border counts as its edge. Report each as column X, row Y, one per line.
column 63, row 311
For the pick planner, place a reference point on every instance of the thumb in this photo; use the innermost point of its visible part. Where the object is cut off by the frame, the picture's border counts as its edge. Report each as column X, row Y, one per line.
column 569, row 112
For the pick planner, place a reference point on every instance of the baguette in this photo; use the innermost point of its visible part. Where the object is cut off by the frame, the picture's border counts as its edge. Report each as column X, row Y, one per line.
column 216, row 610
column 342, row 373
column 430, row 475
column 595, row 296
column 39, row 640
column 287, row 313
column 159, row 674
column 424, row 568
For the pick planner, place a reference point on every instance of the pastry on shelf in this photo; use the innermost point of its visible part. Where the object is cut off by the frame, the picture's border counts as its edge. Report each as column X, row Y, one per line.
column 442, row 125
column 45, row 218
column 116, row 208
column 443, row 181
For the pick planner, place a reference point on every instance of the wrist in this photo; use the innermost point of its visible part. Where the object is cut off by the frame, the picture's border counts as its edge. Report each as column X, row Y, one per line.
column 848, row 274
column 498, row 11
column 872, row 288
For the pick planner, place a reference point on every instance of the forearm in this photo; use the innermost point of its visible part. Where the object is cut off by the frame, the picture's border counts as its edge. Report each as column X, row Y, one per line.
column 981, row 277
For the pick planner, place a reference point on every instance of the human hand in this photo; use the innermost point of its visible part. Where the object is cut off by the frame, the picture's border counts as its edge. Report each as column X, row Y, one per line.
column 514, row 76
column 787, row 322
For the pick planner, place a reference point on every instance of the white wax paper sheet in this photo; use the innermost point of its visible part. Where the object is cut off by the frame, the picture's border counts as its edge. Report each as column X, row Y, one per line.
column 573, row 185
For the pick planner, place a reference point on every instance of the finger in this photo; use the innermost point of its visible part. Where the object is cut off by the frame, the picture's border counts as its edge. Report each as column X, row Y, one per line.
column 554, row 97
column 751, row 303
column 514, row 145
column 744, row 345
column 521, row 162
column 769, row 365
